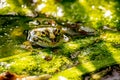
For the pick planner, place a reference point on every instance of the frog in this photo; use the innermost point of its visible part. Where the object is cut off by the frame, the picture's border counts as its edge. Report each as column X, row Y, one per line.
column 47, row 36
column 51, row 34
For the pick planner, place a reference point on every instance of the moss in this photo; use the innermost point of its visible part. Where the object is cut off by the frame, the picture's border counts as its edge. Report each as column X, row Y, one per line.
column 21, row 65
column 77, row 44
column 94, row 57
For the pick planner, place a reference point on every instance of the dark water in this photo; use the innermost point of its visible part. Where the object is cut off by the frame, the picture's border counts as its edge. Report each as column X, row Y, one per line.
column 12, row 34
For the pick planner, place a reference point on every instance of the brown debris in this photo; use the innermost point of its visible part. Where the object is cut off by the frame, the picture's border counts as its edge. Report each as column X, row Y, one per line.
column 8, row 76
column 11, row 76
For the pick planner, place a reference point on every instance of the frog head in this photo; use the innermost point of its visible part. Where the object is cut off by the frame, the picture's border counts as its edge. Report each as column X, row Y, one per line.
column 47, row 36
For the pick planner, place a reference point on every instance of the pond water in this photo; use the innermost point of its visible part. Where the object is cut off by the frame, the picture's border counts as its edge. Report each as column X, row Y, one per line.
column 12, row 34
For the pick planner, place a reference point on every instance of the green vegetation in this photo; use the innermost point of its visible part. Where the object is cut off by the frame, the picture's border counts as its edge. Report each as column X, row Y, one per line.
column 71, row 60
